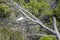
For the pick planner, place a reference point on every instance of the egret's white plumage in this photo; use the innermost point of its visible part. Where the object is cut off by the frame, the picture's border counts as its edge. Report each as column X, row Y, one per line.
column 19, row 19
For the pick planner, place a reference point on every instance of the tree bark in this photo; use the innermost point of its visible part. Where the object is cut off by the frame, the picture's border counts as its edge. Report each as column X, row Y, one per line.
column 55, row 28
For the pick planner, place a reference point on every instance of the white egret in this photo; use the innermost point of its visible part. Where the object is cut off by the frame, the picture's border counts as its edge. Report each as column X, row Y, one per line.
column 19, row 19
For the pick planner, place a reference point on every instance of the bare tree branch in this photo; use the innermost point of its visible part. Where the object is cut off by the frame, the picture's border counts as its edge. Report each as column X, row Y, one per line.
column 40, row 35
column 55, row 28
column 18, row 7
column 45, row 35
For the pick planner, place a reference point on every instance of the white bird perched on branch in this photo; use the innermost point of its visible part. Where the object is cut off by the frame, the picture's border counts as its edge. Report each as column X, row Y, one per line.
column 19, row 19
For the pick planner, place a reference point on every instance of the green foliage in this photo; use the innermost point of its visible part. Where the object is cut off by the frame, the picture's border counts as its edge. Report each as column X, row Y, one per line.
column 1, row 1
column 58, row 12
column 21, row 2
column 5, row 11
column 6, row 33
column 41, row 0
column 47, row 38
column 38, row 8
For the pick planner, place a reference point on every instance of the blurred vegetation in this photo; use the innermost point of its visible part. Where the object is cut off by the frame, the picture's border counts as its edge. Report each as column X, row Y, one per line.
column 39, row 8
column 7, row 33
column 47, row 38
column 5, row 11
